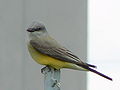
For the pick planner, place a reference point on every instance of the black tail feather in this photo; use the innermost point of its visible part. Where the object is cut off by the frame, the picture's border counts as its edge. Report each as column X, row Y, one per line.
column 93, row 66
column 94, row 71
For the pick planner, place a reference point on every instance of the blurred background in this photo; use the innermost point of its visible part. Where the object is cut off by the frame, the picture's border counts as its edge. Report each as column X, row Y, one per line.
column 65, row 20
column 89, row 28
column 104, row 43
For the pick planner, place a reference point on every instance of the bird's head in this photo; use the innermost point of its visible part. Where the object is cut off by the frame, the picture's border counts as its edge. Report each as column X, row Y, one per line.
column 36, row 30
column 36, row 27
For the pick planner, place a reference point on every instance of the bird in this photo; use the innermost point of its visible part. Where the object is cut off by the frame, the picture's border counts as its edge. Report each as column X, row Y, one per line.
column 45, row 50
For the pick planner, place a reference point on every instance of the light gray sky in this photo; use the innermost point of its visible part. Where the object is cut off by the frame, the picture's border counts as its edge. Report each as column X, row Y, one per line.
column 104, row 43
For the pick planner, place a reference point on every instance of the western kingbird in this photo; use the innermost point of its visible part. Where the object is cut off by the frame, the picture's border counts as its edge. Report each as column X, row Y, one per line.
column 47, row 51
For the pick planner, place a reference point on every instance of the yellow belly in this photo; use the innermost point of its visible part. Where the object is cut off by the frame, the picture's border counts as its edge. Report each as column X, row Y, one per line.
column 47, row 60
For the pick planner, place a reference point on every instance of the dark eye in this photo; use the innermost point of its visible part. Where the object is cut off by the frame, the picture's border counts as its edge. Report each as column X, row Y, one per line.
column 37, row 29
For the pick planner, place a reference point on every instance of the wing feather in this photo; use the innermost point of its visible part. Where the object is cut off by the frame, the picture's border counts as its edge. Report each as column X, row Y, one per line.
column 55, row 50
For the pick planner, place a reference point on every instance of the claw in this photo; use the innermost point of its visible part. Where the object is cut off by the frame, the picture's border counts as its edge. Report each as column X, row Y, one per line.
column 43, row 70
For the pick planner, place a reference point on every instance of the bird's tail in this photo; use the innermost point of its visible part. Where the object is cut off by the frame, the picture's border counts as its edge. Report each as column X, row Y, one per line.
column 105, row 76
column 94, row 71
column 90, row 65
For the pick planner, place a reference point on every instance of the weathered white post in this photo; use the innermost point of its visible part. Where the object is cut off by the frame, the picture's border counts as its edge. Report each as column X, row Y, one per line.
column 51, row 78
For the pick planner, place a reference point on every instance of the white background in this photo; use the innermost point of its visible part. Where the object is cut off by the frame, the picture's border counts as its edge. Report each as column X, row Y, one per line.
column 104, row 43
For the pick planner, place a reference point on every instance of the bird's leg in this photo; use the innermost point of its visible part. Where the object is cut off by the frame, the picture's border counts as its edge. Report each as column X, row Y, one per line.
column 43, row 70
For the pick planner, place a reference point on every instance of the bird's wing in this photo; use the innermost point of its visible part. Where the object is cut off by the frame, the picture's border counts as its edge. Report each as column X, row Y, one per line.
column 55, row 50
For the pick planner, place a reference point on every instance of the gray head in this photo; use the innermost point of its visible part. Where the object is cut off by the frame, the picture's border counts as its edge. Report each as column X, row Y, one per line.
column 35, row 27
column 36, row 30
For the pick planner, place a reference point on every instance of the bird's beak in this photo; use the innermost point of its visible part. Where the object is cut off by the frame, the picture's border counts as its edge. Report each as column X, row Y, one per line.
column 30, row 30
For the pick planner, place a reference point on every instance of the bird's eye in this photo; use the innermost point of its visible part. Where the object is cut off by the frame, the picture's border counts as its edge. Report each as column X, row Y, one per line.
column 37, row 29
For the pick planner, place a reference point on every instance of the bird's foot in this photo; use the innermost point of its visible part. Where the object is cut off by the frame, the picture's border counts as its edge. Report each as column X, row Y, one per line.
column 45, row 69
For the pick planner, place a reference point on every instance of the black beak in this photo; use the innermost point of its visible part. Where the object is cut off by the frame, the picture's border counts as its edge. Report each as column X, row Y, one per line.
column 30, row 30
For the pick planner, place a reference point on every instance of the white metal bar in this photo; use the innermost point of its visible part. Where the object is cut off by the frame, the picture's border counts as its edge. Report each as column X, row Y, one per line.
column 51, row 78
